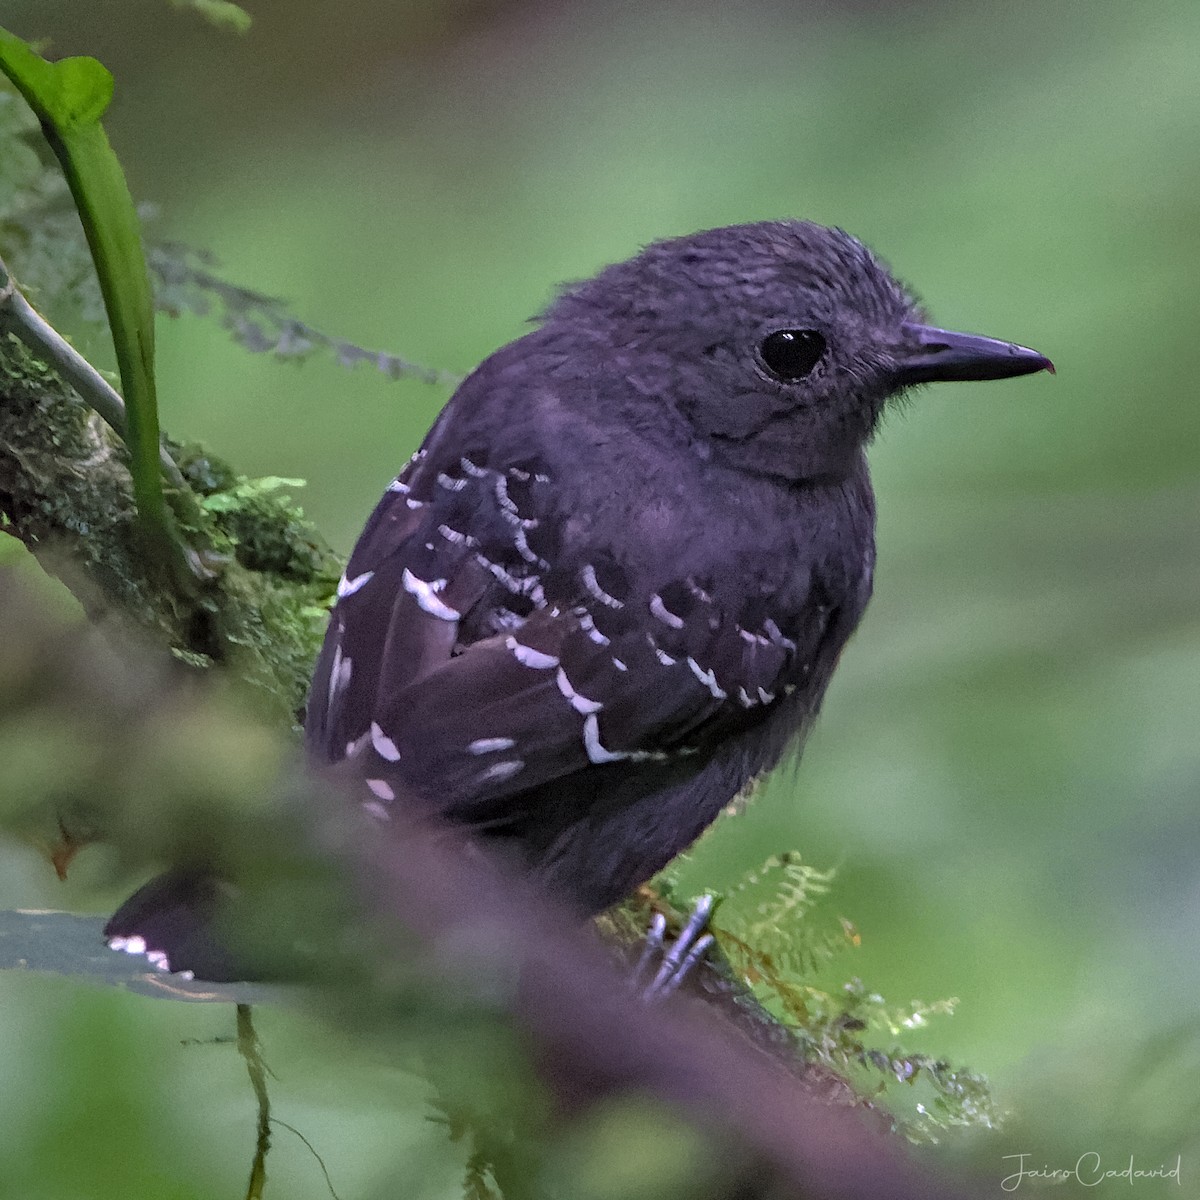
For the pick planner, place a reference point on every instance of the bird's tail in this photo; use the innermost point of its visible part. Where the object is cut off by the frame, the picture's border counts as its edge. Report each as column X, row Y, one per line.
column 172, row 922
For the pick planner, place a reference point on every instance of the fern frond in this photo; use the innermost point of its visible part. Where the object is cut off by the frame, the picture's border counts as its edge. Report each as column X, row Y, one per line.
column 46, row 249
column 766, row 928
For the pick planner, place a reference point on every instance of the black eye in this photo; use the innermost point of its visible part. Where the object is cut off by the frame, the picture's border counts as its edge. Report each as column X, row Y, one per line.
column 789, row 354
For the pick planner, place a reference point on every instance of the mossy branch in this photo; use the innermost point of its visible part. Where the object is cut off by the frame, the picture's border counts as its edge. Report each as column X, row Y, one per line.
column 66, row 492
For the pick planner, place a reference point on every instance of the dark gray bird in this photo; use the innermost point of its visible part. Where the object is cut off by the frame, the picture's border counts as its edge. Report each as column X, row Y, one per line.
column 611, row 587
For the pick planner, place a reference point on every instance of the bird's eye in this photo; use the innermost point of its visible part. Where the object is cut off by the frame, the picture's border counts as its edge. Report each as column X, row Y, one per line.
column 789, row 354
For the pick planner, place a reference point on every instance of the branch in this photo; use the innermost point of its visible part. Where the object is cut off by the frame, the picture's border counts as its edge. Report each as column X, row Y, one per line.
column 18, row 316
column 66, row 492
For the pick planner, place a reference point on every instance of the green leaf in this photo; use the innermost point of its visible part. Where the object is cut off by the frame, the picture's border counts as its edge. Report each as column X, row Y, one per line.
column 221, row 13
column 72, row 93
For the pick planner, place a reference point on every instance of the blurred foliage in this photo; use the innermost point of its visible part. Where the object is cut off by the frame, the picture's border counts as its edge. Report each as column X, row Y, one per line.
column 511, row 1015
column 220, row 13
column 1007, row 766
column 48, row 252
column 186, row 283
column 170, row 767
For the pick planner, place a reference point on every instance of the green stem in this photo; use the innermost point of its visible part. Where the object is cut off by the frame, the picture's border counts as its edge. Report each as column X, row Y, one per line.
column 116, row 258
column 69, row 97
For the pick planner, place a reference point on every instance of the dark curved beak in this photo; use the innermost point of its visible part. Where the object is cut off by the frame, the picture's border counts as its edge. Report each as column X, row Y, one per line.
column 933, row 355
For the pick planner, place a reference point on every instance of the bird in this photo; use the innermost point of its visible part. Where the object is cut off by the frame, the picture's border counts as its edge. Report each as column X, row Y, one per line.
column 609, row 590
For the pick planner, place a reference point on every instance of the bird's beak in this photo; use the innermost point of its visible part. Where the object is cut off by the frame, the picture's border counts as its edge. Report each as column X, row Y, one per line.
column 937, row 355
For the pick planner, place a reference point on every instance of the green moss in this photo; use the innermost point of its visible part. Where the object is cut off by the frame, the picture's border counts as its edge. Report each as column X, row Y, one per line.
column 204, row 471
column 65, row 491
column 269, row 533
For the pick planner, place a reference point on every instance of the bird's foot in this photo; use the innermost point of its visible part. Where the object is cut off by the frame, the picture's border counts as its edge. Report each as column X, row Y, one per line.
column 679, row 959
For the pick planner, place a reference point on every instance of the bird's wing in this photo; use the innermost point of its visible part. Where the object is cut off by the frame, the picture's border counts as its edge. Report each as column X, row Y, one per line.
column 384, row 629
column 471, row 657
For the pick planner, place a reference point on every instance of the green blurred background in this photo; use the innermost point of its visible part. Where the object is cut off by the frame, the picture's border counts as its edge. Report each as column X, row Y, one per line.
column 1007, row 767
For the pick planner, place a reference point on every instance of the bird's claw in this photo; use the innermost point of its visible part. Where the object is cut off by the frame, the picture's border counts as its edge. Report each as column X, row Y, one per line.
column 678, row 961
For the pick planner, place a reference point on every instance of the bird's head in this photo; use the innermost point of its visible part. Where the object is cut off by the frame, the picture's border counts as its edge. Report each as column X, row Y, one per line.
column 779, row 342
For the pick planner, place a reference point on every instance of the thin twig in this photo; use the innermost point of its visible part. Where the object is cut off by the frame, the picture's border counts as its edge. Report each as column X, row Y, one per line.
column 18, row 316
column 249, row 1049
column 312, row 1150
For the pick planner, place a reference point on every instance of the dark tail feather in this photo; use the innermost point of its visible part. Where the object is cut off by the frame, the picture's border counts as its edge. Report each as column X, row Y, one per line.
column 171, row 921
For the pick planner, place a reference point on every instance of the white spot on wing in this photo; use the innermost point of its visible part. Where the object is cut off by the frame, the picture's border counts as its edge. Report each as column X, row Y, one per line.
column 580, row 704
column 135, row 945
column 504, row 619
column 663, row 613
column 776, row 635
column 527, row 656
column 502, row 770
column 708, row 678
column 591, row 743
column 517, row 521
column 381, row 788
column 340, row 673
column 588, row 575
column 398, row 485
column 414, row 503
column 347, row 587
column 529, row 586
column 490, row 745
column 377, row 810
column 450, row 483
column 425, row 592
column 457, row 537
column 471, row 468
column 523, row 549
column 384, row 746
column 663, row 657
column 506, row 501
column 588, row 625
